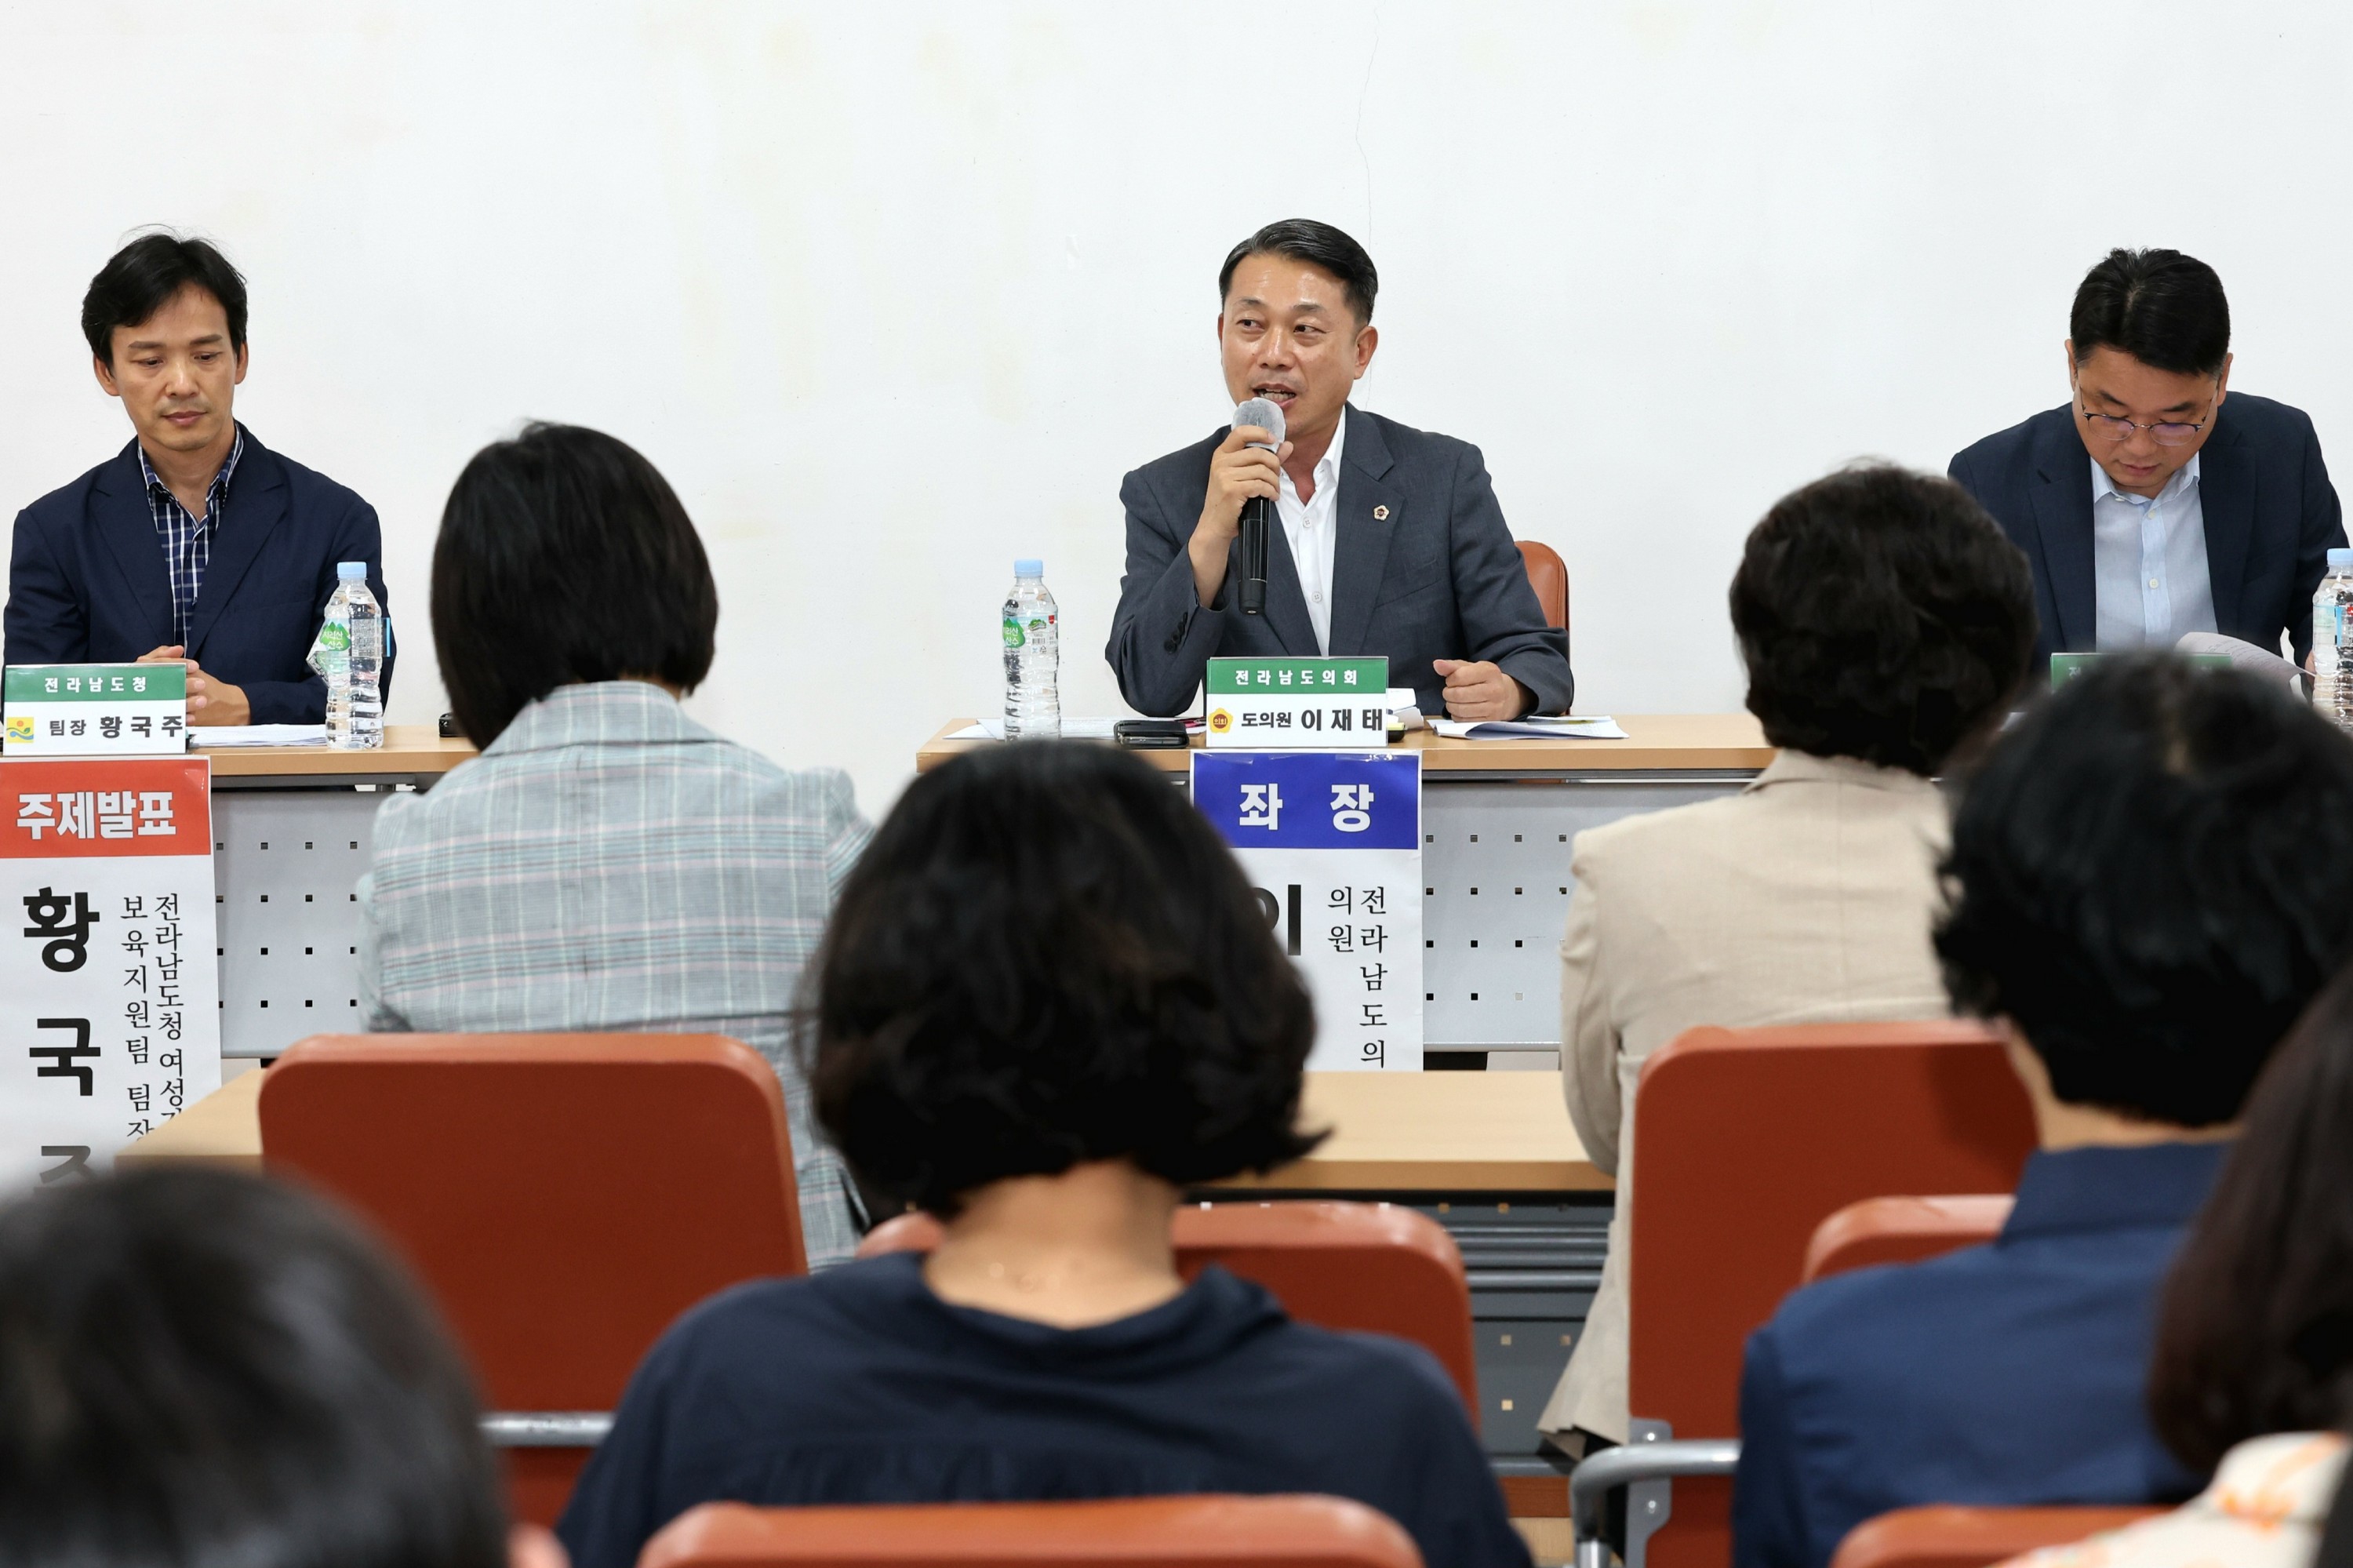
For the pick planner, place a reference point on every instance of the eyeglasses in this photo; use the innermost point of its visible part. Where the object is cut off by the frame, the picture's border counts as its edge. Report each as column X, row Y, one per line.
column 2164, row 433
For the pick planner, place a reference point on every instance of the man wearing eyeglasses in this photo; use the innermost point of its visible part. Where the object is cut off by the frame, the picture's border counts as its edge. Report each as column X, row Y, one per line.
column 2149, row 508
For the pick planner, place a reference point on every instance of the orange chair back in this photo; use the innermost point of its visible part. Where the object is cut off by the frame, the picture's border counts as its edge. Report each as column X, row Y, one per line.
column 1142, row 1532
column 1948, row 1537
column 562, row 1197
column 1549, row 575
column 1365, row 1267
column 1744, row 1140
column 1901, row 1230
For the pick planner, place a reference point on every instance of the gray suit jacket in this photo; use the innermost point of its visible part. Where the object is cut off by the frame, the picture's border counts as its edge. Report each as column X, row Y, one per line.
column 1425, row 568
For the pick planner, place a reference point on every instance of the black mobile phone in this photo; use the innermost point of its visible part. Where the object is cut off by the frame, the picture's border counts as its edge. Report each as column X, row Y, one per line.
column 1150, row 734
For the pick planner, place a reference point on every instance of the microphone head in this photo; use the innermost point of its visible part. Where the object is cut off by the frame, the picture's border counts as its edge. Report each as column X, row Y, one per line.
column 1265, row 414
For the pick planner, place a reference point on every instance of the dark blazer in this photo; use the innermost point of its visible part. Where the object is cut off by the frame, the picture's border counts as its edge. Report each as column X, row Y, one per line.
column 1424, row 568
column 87, row 582
column 2270, row 513
column 2011, row 1373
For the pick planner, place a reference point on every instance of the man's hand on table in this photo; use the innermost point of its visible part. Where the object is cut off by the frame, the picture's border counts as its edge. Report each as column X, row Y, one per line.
column 211, row 700
column 1480, row 691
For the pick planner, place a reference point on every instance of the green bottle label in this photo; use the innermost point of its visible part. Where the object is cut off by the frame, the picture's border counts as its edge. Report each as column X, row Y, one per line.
column 335, row 636
column 1013, row 638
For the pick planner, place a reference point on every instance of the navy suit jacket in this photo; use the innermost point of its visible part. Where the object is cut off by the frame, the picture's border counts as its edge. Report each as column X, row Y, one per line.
column 1424, row 568
column 2011, row 1373
column 2272, row 518
column 87, row 582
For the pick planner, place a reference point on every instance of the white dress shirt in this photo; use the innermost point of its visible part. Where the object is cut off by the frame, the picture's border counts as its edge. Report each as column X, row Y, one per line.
column 2148, row 562
column 1314, row 533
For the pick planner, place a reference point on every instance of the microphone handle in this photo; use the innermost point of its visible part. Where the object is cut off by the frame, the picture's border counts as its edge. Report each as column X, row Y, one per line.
column 1252, row 594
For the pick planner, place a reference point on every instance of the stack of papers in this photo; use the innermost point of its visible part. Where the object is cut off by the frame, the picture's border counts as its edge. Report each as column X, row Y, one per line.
column 225, row 735
column 1589, row 726
column 1072, row 729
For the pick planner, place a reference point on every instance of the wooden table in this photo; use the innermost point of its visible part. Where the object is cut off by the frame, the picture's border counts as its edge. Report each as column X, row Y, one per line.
column 409, row 751
column 1401, row 1132
column 1654, row 743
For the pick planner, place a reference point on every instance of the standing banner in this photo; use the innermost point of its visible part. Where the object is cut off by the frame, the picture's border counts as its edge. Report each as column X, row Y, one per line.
column 1331, row 842
column 113, row 1023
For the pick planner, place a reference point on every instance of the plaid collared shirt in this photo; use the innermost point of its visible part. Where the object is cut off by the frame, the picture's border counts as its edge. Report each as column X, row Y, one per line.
column 608, row 863
column 187, row 541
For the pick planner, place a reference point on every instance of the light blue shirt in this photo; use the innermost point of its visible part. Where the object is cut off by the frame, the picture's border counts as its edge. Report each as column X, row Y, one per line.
column 2148, row 562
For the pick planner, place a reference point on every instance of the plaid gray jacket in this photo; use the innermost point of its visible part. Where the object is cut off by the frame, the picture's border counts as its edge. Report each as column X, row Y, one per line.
column 607, row 863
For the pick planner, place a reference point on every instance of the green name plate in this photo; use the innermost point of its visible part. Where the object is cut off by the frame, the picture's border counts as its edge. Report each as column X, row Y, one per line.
column 95, row 710
column 1298, row 704
column 2065, row 667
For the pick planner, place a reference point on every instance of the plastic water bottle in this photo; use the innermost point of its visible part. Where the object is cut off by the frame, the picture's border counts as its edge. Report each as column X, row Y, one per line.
column 2332, row 642
column 350, row 653
column 1033, row 657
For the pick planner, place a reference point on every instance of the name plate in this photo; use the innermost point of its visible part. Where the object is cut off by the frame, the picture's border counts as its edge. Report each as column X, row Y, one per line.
column 95, row 710
column 1298, row 704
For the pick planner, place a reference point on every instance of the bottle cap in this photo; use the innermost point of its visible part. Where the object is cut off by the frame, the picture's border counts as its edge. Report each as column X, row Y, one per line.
column 2341, row 558
column 1028, row 566
column 350, row 571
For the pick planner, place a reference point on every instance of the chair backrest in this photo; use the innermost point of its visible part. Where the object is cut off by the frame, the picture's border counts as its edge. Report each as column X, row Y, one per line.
column 1901, row 1230
column 1744, row 1140
column 1371, row 1267
column 1949, row 1537
column 1549, row 575
column 562, row 1197
column 1141, row 1532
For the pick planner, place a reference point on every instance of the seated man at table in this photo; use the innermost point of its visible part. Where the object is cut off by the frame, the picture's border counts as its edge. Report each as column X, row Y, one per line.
column 2149, row 880
column 607, row 862
column 1886, row 623
column 2152, row 506
column 1391, row 540
column 195, row 544
column 202, row 1367
column 1047, row 1005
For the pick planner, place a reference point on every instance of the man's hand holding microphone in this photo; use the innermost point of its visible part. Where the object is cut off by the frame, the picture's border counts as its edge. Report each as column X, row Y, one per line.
column 1245, row 467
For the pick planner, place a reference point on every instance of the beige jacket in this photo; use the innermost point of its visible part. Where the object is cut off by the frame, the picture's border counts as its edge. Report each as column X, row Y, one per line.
column 2265, row 1509
column 1804, row 898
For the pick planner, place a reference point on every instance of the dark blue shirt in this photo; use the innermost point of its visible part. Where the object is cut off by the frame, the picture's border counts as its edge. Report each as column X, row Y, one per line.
column 859, row 1385
column 2006, row 1374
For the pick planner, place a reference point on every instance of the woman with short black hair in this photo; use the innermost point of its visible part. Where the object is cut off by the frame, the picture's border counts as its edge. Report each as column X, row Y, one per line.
column 1048, row 1003
column 1886, row 624
column 607, row 863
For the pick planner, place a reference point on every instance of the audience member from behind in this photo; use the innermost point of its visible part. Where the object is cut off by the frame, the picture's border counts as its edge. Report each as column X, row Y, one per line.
column 2255, row 1339
column 1886, row 623
column 2148, row 881
column 1048, row 1003
column 200, row 1368
column 607, row 863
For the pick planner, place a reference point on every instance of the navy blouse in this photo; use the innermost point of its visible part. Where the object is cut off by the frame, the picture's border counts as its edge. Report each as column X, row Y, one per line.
column 859, row 1385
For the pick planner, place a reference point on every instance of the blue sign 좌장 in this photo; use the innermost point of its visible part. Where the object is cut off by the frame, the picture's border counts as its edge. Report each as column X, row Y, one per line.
column 1311, row 801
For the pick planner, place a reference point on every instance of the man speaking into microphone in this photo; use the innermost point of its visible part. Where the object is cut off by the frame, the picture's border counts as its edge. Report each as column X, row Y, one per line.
column 1388, row 540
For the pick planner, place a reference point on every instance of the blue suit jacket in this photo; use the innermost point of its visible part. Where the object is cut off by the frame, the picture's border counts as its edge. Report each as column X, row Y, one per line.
column 2272, row 518
column 2007, row 1373
column 87, row 581
column 1424, row 568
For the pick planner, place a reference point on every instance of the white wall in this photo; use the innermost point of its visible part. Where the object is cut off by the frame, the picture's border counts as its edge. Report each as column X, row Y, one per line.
column 893, row 293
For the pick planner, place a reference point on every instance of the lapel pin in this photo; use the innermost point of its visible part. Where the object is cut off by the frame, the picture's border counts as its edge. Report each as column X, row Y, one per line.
column 1380, row 513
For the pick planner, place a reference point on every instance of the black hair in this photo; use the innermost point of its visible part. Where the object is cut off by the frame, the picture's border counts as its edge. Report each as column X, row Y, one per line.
column 564, row 556
column 2148, row 878
column 198, row 1366
column 141, row 279
column 2165, row 309
column 1319, row 245
column 1047, row 956
column 1882, row 616
column 2255, row 1332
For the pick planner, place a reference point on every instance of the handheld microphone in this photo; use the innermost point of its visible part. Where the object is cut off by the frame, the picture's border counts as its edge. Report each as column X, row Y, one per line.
column 1258, row 512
